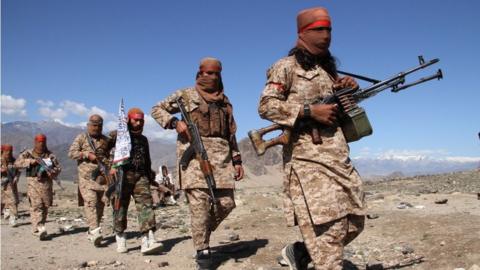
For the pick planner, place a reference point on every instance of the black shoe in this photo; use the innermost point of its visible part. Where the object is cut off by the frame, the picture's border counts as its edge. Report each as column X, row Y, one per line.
column 296, row 256
column 204, row 260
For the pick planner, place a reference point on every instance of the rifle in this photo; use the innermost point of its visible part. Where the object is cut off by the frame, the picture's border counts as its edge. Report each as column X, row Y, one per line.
column 10, row 176
column 353, row 119
column 102, row 168
column 197, row 148
column 49, row 171
column 116, row 188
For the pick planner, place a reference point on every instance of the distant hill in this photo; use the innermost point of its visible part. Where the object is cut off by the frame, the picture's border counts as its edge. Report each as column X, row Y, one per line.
column 258, row 165
column 20, row 134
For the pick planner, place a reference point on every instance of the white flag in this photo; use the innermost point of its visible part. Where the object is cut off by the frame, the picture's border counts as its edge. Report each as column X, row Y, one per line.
column 123, row 144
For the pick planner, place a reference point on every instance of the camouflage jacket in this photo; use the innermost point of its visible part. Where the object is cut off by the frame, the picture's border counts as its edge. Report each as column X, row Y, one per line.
column 80, row 149
column 288, row 88
column 220, row 150
column 27, row 158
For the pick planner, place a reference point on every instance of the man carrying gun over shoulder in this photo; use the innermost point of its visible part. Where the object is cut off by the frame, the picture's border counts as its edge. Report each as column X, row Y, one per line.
column 91, row 150
column 208, row 182
column 42, row 168
column 10, row 176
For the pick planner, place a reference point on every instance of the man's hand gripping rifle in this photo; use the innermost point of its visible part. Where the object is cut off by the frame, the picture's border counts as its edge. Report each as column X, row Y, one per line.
column 103, row 169
column 52, row 174
column 196, row 149
column 353, row 120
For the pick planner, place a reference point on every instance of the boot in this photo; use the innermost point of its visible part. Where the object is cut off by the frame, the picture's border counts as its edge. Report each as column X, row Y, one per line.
column 296, row 256
column 171, row 200
column 13, row 221
column 204, row 260
column 95, row 236
column 41, row 233
column 6, row 214
column 149, row 244
column 121, row 243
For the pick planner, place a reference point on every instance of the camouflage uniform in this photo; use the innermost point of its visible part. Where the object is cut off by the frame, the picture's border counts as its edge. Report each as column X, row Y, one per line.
column 10, row 191
column 220, row 150
column 39, row 190
column 91, row 185
column 323, row 191
column 137, row 173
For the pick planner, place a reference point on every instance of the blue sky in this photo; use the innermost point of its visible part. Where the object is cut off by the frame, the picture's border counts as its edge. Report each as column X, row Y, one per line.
column 65, row 59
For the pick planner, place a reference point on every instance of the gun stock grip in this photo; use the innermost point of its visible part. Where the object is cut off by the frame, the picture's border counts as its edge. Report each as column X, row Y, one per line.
column 260, row 145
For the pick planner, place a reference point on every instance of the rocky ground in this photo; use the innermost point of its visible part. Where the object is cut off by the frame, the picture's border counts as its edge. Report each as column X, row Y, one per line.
column 427, row 222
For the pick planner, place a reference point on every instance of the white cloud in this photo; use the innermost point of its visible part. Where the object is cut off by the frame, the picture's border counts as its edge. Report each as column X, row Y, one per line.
column 13, row 106
column 154, row 131
column 74, row 107
column 68, row 107
column 53, row 114
column 106, row 115
column 45, row 103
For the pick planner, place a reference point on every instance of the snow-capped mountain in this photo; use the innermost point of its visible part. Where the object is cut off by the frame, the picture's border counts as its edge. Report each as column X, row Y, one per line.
column 413, row 165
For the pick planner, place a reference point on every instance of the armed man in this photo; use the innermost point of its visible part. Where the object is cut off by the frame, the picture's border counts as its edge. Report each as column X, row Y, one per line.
column 208, row 183
column 136, row 182
column 10, row 176
column 41, row 168
column 323, row 191
column 91, row 150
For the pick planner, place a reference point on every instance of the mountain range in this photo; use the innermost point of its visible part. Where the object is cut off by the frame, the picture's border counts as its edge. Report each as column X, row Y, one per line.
column 20, row 135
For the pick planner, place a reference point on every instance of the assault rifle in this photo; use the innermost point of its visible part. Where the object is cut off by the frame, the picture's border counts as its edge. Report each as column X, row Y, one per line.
column 197, row 149
column 116, row 189
column 102, row 169
column 50, row 172
column 10, row 176
column 353, row 119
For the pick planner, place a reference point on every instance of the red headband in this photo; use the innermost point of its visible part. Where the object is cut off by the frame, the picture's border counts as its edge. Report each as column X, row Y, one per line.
column 41, row 138
column 135, row 116
column 211, row 68
column 315, row 24
column 6, row 147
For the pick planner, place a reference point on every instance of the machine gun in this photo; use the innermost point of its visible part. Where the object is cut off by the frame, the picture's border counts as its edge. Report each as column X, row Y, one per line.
column 353, row 119
column 196, row 147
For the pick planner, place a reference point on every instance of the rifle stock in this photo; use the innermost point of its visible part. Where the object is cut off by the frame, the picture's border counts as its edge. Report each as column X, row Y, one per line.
column 260, row 145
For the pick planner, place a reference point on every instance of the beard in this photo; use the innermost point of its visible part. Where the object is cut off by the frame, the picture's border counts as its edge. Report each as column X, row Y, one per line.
column 135, row 130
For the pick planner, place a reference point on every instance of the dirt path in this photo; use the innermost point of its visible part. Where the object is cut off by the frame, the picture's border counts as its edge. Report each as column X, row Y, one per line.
column 446, row 236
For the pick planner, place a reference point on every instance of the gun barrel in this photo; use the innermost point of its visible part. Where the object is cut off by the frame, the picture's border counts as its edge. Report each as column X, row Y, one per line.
column 401, row 75
column 438, row 75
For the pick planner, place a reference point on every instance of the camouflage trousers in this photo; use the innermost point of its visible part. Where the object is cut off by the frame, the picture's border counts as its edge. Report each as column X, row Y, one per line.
column 159, row 193
column 325, row 242
column 92, row 195
column 40, row 196
column 10, row 198
column 137, row 186
column 203, row 217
